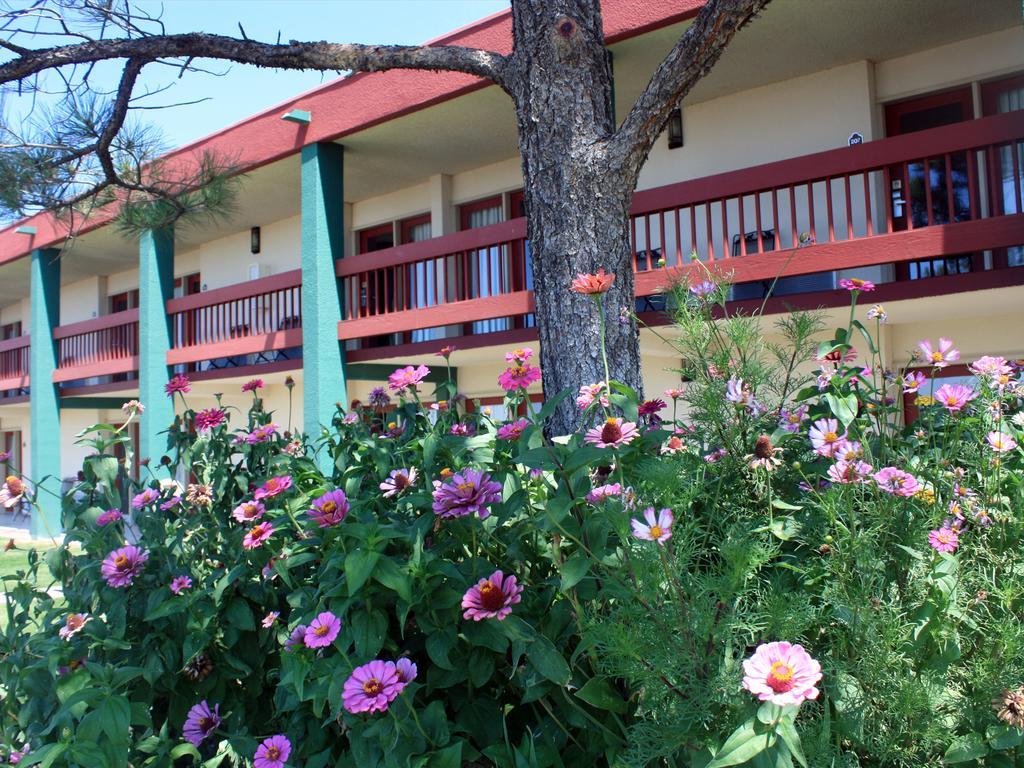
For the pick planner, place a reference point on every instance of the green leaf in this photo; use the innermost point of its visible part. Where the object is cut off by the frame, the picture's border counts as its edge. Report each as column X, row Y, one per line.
column 368, row 630
column 439, row 644
column 185, row 749
column 966, row 748
column 1004, row 737
column 547, row 660
column 787, row 732
column 785, row 505
column 743, row 744
column 573, row 570
column 449, row 757
column 239, row 614
column 115, row 715
column 785, row 528
column 394, row 577
column 173, row 605
column 844, row 408
column 359, row 566
column 600, row 693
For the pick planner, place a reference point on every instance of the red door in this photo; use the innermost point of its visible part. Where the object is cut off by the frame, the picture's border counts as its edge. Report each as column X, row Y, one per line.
column 937, row 194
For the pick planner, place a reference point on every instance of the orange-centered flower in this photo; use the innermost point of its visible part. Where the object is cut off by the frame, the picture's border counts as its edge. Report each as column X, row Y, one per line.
column 373, row 687
column 595, row 284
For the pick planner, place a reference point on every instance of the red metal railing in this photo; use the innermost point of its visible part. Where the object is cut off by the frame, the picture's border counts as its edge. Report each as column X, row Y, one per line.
column 244, row 319
column 14, row 363
column 100, row 347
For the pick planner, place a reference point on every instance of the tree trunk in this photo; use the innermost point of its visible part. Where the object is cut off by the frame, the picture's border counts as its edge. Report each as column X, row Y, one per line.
column 577, row 201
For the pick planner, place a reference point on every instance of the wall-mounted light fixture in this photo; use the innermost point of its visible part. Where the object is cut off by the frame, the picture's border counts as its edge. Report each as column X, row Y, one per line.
column 674, row 127
column 25, row 230
column 300, row 116
column 254, row 240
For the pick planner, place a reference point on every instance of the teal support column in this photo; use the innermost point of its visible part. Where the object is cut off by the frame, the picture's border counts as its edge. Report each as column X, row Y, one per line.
column 156, row 286
column 44, row 446
column 323, row 242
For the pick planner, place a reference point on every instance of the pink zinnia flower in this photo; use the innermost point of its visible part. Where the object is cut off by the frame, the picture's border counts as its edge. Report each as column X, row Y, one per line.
column 446, row 352
column 371, row 687
column 270, row 619
column 591, row 392
column 210, row 418
column 170, row 504
column 1000, row 442
column 467, row 492
column 273, row 487
column 73, row 624
column 518, row 377
column 651, row 407
column 953, row 397
column 180, row 583
column 944, row 540
column 256, row 535
column 825, row 437
column 263, row 434
column 991, row 367
column 913, row 381
column 519, row 355
column 252, row 385
column 122, row 565
column 398, row 481
column 406, row 670
column 613, row 433
column 512, row 430
column 897, row 482
column 593, row 284
column 845, row 472
column 407, row 378
column 674, row 394
column 322, row 630
column 330, row 509
column 603, row 492
column 272, row 752
column 201, row 722
column 144, row 499
column 108, row 517
column 940, row 356
column 296, row 639
column 856, row 284
column 179, row 384
column 782, row 673
column 658, row 527
column 674, row 445
column 249, row 511
column 491, row 598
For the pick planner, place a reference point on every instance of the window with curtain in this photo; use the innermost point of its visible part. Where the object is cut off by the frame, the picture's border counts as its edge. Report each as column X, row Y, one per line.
column 998, row 98
column 489, row 268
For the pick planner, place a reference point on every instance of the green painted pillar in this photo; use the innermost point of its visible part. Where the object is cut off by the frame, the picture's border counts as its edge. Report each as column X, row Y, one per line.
column 323, row 242
column 44, row 446
column 156, row 286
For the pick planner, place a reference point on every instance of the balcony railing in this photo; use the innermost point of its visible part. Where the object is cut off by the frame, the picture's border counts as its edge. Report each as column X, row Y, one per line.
column 103, row 346
column 237, row 324
column 14, row 363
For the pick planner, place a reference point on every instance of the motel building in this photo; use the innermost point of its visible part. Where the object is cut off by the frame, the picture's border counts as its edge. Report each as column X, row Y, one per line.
column 380, row 218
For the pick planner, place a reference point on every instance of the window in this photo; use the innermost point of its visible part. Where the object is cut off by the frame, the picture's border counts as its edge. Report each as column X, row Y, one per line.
column 997, row 98
column 10, row 330
column 489, row 268
column 376, row 238
column 122, row 302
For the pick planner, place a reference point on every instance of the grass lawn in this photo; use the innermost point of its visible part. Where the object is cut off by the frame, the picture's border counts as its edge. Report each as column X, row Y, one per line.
column 17, row 560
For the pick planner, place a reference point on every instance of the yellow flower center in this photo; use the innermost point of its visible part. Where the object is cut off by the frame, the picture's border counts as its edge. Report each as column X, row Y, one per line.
column 465, row 487
column 328, row 507
column 373, row 687
column 273, row 753
column 780, row 679
column 656, row 531
column 321, row 630
column 936, row 357
column 121, row 562
column 831, row 437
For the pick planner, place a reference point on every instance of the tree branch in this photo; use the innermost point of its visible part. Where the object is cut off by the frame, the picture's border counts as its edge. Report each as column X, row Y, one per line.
column 689, row 60
column 319, row 56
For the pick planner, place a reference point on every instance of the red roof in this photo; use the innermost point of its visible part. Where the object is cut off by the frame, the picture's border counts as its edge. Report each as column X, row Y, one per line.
column 354, row 103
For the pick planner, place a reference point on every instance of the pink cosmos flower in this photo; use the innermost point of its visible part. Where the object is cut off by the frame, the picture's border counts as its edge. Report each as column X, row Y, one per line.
column 201, row 722
column 613, row 433
column 398, row 481
column 845, row 472
column 897, row 482
column 591, row 392
column 856, row 284
column 519, row 356
column 122, row 565
column 73, row 624
column 108, row 517
column 407, row 378
column 406, row 671
column 330, row 509
column 913, row 381
column 658, row 527
column 944, row 540
column 791, row 421
column 296, row 639
column 467, row 492
column 737, row 392
column 953, row 397
column 371, row 687
column 940, row 356
column 144, row 499
column 825, row 437
column 263, row 434
column 782, row 673
column 848, row 451
column 272, row 752
column 1000, row 442
column 273, row 487
column 491, row 598
column 703, row 289
column 256, row 535
column 210, row 418
column 252, row 385
column 270, row 619
column 322, row 630
column 602, row 492
column 179, row 384
column 518, row 377
column 180, row 583
column 513, row 430
column 249, row 511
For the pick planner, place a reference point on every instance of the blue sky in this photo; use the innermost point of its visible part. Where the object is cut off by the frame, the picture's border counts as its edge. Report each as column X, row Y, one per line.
column 246, row 90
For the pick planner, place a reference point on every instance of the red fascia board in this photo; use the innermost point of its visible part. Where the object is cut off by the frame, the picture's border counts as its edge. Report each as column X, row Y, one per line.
column 351, row 104
column 115, row 320
column 236, row 292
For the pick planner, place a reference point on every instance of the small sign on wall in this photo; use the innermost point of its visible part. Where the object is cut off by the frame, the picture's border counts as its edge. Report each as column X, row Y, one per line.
column 855, row 138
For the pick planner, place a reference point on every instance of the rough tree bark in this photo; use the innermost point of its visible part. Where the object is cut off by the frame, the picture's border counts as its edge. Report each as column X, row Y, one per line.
column 579, row 172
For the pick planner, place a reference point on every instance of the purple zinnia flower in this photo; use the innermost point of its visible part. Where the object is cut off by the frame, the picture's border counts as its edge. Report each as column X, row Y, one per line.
column 330, row 509
column 273, row 487
column 122, row 565
column 258, row 534
column 406, row 672
column 322, row 630
column 208, row 419
column 465, row 493
column 249, row 511
column 263, row 434
column 897, row 482
column 513, row 430
column 108, row 517
column 407, row 378
column 371, row 687
column 296, row 639
column 273, row 752
column 398, row 481
column 491, row 598
column 252, row 385
column 944, row 540
column 144, row 499
column 379, row 397
column 171, row 503
column 180, row 583
column 603, row 492
column 201, row 722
